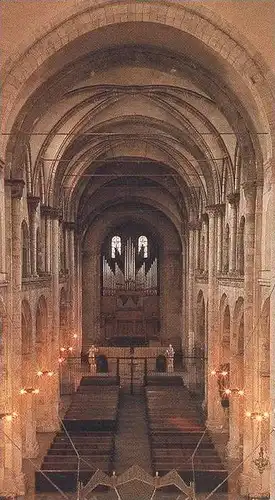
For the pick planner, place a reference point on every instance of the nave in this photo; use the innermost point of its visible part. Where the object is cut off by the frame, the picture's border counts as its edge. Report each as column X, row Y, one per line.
column 158, row 428
column 137, row 217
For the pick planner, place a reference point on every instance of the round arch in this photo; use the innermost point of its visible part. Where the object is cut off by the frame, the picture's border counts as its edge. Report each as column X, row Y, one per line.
column 225, row 44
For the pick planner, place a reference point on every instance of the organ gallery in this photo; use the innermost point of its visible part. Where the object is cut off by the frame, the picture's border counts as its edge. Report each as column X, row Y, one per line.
column 137, row 250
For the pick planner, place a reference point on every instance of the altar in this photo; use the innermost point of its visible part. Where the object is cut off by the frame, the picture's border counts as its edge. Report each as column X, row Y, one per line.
column 127, row 361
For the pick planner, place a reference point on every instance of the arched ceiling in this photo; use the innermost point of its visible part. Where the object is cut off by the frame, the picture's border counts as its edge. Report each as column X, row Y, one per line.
column 135, row 112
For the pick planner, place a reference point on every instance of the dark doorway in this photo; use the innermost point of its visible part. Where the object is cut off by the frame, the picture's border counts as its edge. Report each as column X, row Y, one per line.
column 101, row 364
column 161, row 363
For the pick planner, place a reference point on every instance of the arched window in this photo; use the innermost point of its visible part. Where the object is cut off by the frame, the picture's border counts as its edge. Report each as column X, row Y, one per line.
column 116, row 245
column 143, row 245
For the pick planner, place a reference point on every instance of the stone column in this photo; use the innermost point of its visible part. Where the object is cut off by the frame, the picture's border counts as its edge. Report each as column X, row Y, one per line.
column 233, row 200
column 236, row 405
column 219, row 236
column 272, row 344
column 13, row 481
column 2, row 226
column 33, row 202
column 70, row 231
column 215, row 417
column 55, row 318
column 46, row 213
column 250, row 476
column 193, row 227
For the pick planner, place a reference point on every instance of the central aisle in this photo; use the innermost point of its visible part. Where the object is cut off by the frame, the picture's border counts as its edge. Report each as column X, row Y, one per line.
column 131, row 441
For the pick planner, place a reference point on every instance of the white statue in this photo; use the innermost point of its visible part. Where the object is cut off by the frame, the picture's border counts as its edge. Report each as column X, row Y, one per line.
column 91, row 356
column 170, row 358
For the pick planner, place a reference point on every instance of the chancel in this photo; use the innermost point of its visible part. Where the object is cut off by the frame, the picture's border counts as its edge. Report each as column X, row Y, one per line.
column 137, row 250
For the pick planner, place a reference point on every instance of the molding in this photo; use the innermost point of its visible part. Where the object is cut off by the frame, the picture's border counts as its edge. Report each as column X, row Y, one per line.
column 48, row 211
column 17, row 186
column 33, row 202
column 233, row 198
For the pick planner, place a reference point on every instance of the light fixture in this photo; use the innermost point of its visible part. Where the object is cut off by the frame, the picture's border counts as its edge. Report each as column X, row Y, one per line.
column 60, row 360
column 219, row 372
column 8, row 416
column 29, row 390
column 75, row 335
column 262, row 461
column 41, row 373
column 228, row 391
column 259, row 416
column 66, row 349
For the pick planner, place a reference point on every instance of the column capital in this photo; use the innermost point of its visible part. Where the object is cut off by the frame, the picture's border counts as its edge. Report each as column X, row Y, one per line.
column 33, row 202
column 216, row 209
column 69, row 225
column 233, row 198
column 48, row 211
column 17, row 186
column 249, row 188
column 194, row 225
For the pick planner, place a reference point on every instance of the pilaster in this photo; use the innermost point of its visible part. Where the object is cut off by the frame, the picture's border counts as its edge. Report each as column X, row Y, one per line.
column 233, row 200
column 33, row 202
column 250, row 382
column 13, row 481
column 215, row 417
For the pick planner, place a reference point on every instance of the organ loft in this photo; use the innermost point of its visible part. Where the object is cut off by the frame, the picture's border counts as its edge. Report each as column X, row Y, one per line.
column 137, row 250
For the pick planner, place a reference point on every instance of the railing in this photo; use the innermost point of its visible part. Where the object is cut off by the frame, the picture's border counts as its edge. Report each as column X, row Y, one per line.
column 134, row 371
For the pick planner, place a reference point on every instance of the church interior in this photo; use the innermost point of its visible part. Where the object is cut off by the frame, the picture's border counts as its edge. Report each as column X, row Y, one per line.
column 137, row 250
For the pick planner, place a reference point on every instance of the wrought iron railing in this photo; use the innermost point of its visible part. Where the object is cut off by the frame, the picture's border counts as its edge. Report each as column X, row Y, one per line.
column 133, row 372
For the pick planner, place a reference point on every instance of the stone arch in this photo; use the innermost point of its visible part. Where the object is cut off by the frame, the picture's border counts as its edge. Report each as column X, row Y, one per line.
column 225, row 325
column 42, row 334
column 238, row 327
column 225, row 44
column 26, row 328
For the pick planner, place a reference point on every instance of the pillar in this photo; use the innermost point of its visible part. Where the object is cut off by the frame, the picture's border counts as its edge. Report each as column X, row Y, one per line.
column 236, row 407
column 215, row 417
column 55, row 318
column 33, row 202
column 193, row 227
column 250, row 478
column 233, row 200
column 70, row 232
column 13, row 480
column 220, row 238
column 272, row 345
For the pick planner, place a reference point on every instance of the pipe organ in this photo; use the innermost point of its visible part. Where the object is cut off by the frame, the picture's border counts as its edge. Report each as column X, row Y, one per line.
column 129, row 272
column 130, row 290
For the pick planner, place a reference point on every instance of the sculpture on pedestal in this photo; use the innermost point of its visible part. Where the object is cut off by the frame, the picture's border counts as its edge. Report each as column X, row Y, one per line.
column 170, row 358
column 92, row 360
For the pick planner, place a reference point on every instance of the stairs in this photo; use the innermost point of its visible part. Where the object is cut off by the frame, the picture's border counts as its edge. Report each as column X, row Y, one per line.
column 131, row 440
column 176, row 428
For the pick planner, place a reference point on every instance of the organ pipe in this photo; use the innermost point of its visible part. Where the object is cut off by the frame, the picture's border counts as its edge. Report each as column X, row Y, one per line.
column 129, row 278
